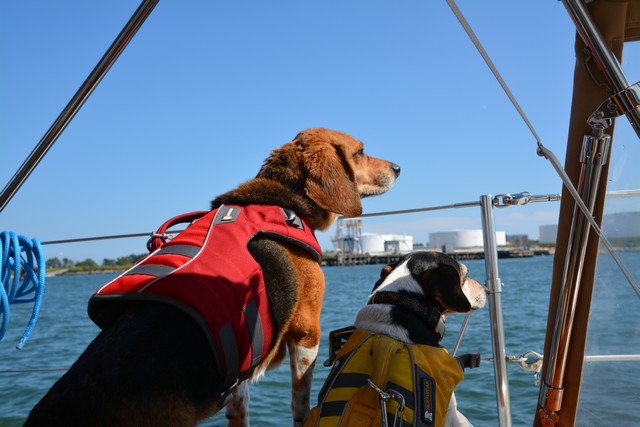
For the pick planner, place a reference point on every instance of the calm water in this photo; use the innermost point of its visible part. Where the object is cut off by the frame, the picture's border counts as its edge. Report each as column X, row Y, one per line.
column 63, row 331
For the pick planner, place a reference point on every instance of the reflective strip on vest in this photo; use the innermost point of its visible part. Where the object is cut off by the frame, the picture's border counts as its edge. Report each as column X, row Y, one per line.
column 189, row 251
column 255, row 331
column 230, row 350
column 156, row 270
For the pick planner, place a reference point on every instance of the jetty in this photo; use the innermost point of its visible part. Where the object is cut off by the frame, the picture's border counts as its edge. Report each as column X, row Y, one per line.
column 340, row 259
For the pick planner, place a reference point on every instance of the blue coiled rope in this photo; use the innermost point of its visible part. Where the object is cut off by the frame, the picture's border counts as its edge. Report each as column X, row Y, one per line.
column 22, row 271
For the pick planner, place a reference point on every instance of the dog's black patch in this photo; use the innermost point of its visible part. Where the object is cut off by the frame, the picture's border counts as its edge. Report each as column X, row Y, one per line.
column 157, row 344
column 439, row 276
column 419, row 330
column 419, row 262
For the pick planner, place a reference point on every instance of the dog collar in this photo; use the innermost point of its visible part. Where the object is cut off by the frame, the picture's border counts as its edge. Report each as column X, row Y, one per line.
column 428, row 312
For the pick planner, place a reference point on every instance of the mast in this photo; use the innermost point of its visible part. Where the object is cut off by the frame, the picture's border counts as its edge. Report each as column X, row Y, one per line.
column 576, row 248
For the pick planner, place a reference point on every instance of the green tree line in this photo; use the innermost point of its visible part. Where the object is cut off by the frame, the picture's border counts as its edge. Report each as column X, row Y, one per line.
column 89, row 264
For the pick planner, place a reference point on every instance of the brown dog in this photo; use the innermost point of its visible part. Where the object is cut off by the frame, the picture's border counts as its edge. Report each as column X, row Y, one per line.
column 151, row 365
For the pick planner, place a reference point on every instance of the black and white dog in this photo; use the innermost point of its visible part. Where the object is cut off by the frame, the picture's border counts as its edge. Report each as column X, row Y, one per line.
column 409, row 304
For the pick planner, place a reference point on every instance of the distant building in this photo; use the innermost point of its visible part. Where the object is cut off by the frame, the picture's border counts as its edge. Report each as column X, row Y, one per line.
column 518, row 239
column 548, row 233
column 462, row 239
column 622, row 224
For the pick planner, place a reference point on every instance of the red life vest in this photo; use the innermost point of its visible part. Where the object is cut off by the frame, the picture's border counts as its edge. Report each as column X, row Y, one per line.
column 207, row 271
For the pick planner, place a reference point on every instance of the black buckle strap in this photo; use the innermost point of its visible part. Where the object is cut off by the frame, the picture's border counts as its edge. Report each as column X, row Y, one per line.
column 428, row 312
column 469, row 360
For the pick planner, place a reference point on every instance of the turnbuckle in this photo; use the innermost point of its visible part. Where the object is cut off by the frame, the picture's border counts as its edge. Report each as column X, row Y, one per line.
column 385, row 396
column 529, row 361
column 506, row 200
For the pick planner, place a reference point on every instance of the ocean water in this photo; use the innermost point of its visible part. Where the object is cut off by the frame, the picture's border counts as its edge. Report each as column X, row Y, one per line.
column 63, row 331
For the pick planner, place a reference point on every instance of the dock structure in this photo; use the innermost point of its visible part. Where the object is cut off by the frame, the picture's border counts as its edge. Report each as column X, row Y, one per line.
column 343, row 259
column 359, row 259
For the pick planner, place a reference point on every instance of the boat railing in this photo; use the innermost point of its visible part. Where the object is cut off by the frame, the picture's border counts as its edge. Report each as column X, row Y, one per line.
column 494, row 285
column 595, row 148
column 487, row 203
column 626, row 100
column 529, row 361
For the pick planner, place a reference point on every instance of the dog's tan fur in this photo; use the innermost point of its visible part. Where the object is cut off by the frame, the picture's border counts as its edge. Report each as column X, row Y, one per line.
column 319, row 175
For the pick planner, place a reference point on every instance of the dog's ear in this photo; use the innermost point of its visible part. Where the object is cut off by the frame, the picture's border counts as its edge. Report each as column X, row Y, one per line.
column 443, row 285
column 282, row 165
column 330, row 180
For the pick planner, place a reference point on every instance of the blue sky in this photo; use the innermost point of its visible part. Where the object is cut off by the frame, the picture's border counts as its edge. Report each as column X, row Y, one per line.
column 206, row 89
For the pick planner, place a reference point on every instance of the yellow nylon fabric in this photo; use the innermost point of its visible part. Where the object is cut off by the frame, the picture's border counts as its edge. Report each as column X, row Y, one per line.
column 388, row 363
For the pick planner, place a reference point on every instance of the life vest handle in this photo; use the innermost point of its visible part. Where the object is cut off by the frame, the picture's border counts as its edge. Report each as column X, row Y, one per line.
column 370, row 402
column 337, row 339
column 160, row 237
column 384, row 351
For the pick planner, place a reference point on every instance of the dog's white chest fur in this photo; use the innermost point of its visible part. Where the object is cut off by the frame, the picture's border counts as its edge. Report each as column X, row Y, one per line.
column 377, row 317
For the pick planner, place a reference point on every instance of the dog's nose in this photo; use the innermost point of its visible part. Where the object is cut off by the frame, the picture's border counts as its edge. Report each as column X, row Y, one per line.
column 396, row 169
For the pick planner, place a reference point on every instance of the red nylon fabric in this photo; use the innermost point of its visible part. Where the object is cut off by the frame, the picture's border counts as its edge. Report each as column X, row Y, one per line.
column 221, row 280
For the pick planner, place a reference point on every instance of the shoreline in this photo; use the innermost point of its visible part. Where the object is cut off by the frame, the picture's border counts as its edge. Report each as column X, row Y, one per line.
column 67, row 272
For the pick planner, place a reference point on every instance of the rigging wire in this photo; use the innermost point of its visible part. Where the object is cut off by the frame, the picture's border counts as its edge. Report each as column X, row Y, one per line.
column 545, row 152
column 458, row 13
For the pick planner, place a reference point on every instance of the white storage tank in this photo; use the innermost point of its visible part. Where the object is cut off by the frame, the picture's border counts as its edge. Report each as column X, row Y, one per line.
column 378, row 244
column 462, row 239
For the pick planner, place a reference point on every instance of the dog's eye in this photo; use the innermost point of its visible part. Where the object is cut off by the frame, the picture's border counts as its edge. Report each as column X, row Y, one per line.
column 360, row 152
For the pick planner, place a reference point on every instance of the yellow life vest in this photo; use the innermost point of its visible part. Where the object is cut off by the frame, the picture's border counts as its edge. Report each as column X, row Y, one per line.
column 424, row 376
